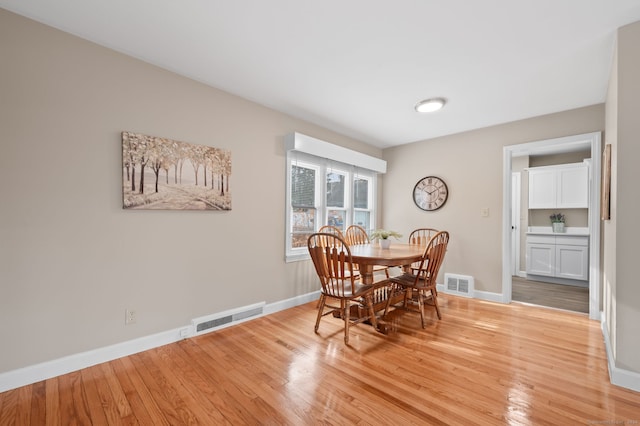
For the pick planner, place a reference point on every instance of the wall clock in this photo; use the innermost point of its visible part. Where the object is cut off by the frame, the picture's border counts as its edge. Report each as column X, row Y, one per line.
column 430, row 193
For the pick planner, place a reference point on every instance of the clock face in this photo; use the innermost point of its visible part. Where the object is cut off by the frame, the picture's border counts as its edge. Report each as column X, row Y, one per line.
column 430, row 193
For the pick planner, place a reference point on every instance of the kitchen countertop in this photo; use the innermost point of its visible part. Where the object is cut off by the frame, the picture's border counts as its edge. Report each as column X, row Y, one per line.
column 568, row 231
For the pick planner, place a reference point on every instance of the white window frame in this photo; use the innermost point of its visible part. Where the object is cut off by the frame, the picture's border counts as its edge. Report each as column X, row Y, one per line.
column 325, row 166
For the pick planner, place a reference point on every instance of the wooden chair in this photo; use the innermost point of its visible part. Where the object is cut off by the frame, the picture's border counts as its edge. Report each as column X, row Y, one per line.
column 421, row 236
column 356, row 234
column 330, row 229
column 333, row 230
column 417, row 287
column 332, row 259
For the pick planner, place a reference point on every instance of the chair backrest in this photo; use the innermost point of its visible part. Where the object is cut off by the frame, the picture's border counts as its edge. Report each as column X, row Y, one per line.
column 433, row 257
column 421, row 236
column 330, row 229
column 356, row 234
column 332, row 259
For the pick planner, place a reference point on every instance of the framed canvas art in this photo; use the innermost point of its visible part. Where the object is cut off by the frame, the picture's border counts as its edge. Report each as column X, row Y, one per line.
column 164, row 174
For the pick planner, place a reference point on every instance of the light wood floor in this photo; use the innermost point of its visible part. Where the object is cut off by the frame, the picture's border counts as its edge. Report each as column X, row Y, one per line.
column 482, row 364
column 558, row 296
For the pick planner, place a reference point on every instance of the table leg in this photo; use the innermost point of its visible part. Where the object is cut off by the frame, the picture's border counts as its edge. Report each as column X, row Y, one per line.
column 366, row 274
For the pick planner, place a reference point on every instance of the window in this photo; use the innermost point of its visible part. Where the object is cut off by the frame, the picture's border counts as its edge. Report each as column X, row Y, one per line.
column 320, row 192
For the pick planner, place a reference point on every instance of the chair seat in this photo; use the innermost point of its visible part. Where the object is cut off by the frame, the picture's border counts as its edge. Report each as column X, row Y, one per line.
column 409, row 280
column 359, row 289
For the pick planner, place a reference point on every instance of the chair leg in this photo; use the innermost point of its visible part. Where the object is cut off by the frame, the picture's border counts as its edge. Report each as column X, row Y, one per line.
column 421, row 306
column 321, row 303
column 372, row 314
column 406, row 298
column 346, row 316
column 434, row 296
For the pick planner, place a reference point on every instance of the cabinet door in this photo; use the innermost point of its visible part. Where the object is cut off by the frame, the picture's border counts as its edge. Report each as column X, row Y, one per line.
column 572, row 262
column 542, row 189
column 541, row 259
column 573, row 187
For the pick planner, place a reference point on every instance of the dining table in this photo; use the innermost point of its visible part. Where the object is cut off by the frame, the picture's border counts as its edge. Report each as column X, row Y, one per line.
column 366, row 256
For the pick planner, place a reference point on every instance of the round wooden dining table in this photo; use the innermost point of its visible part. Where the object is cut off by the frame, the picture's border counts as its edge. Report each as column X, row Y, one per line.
column 398, row 254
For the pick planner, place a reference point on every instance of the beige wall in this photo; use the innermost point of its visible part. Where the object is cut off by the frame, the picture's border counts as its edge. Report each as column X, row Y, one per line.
column 621, row 233
column 471, row 165
column 71, row 260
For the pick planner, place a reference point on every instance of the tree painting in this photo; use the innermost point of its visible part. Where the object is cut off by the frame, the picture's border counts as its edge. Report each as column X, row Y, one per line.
column 199, row 178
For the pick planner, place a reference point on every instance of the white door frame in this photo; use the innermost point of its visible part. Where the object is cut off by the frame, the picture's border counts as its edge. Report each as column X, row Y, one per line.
column 515, row 222
column 549, row 146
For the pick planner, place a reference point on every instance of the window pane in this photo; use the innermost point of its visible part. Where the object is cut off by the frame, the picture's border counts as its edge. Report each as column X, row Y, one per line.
column 302, row 223
column 336, row 218
column 363, row 218
column 303, row 192
column 361, row 194
column 335, row 190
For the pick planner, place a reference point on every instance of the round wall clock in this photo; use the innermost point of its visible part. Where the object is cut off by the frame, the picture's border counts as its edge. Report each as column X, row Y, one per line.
column 430, row 193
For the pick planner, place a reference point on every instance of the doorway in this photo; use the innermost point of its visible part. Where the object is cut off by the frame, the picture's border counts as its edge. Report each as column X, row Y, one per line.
column 590, row 141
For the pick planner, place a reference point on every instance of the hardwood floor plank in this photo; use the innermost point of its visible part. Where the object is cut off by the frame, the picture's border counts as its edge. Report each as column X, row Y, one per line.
column 217, row 369
column 73, row 402
column 99, row 406
column 483, row 364
column 167, row 397
column 121, row 404
column 9, row 407
column 196, row 389
column 38, row 403
column 52, row 403
column 144, row 407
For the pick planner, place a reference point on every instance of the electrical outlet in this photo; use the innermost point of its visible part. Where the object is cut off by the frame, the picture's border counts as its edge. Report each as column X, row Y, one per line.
column 130, row 317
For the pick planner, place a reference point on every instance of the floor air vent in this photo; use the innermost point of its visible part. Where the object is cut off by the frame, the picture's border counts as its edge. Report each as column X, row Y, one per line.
column 214, row 321
column 461, row 285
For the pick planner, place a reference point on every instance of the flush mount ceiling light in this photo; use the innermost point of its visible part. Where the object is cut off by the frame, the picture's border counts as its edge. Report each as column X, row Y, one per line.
column 430, row 105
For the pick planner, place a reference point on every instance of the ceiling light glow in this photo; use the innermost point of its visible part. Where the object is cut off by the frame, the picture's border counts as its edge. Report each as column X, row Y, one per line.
column 430, row 105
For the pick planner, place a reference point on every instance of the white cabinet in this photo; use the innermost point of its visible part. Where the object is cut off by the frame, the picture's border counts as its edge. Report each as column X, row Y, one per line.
column 558, row 256
column 563, row 186
column 541, row 258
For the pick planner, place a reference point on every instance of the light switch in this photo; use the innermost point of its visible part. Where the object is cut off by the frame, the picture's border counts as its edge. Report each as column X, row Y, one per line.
column 484, row 212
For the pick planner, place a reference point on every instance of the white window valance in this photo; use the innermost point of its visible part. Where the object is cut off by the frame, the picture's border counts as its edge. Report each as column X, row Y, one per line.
column 309, row 145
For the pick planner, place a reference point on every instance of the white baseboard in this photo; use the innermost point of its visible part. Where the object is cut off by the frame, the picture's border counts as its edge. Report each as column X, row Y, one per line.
column 290, row 303
column 478, row 294
column 618, row 376
column 46, row 370
column 57, row 367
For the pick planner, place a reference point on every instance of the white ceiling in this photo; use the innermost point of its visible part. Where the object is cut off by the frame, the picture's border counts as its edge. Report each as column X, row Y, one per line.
column 359, row 66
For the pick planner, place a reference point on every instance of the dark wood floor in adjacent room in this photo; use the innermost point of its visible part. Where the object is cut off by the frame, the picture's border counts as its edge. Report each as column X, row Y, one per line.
column 571, row 298
column 483, row 364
